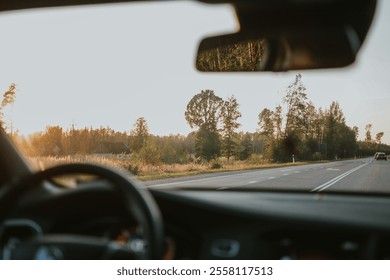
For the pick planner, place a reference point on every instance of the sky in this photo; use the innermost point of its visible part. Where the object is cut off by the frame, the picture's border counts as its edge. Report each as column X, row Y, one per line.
column 107, row 65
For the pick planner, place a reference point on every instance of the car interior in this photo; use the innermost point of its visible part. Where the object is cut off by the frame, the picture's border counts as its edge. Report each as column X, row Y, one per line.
column 113, row 215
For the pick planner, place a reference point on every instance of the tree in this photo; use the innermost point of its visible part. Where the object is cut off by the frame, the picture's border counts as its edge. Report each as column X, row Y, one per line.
column 149, row 153
column 368, row 133
column 379, row 136
column 246, row 147
column 334, row 128
column 204, row 110
column 296, row 125
column 311, row 124
column 278, row 119
column 266, row 122
column 139, row 134
column 189, row 143
column 336, row 112
column 230, row 115
column 355, row 130
column 340, row 139
column 8, row 99
column 51, row 141
column 346, row 141
column 295, row 100
column 207, row 144
column 267, row 129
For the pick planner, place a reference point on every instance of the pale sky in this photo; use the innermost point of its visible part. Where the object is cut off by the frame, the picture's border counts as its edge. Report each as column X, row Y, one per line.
column 107, row 65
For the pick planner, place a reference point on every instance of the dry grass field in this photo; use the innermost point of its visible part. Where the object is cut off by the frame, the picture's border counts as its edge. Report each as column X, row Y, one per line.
column 149, row 172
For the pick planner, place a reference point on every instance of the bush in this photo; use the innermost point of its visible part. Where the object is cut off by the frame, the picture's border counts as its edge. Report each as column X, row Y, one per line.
column 316, row 156
column 133, row 168
column 257, row 159
column 215, row 165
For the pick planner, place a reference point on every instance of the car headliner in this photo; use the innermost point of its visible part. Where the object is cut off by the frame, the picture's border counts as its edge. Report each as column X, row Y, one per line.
column 27, row 4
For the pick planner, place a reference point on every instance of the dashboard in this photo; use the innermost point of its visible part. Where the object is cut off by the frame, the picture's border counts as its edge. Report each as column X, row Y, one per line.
column 216, row 224
column 264, row 225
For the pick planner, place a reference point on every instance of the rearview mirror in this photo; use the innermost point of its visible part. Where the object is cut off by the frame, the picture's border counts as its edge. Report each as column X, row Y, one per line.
column 216, row 55
column 293, row 37
column 308, row 49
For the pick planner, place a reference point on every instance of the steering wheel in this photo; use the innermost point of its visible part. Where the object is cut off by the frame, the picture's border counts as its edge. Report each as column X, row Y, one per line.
column 137, row 201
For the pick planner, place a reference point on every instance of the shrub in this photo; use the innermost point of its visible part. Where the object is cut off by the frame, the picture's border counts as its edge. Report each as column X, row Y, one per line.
column 215, row 165
column 133, row 168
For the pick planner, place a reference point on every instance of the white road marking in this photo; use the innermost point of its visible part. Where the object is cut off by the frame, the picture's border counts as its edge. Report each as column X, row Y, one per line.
column 209, row 178
column 335, row 180
column 224, row 176
column 218, row 177
column 286, row 174
column 333, row 169
column 198, row 180
column 252, row 182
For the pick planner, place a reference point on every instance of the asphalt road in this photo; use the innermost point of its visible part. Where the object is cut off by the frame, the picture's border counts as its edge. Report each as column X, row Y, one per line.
column 360, row 175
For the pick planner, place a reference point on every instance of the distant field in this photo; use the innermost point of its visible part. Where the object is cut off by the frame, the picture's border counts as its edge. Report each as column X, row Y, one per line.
column 150, row 172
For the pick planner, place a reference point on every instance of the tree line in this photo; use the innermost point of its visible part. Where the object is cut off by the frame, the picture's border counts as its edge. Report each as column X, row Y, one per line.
column 311, row 133
column 295, row 128
column 142, row 145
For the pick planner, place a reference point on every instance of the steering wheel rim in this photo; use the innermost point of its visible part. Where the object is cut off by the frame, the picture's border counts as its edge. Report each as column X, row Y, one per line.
column 137, row 200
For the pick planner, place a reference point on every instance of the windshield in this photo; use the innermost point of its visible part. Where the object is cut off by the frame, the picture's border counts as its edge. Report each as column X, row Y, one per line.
column 117, row 84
